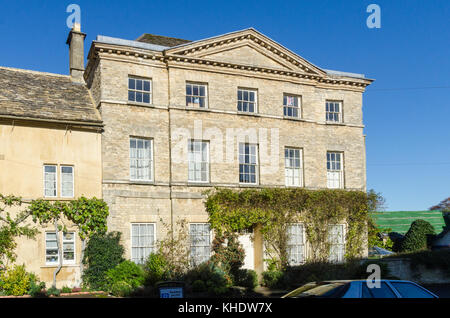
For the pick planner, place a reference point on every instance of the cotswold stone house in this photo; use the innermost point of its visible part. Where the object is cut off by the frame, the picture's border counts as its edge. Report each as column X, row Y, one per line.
column 235, row 110
column 150, row 124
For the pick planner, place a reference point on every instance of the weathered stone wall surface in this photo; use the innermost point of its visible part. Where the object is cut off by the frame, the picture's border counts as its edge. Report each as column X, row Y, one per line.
column 401, row 269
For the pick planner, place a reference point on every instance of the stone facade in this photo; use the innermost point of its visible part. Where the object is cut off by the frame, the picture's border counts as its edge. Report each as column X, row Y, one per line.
column 224, row 63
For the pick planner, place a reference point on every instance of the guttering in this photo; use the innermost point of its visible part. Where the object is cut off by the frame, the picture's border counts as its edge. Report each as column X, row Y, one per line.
column 56, row 121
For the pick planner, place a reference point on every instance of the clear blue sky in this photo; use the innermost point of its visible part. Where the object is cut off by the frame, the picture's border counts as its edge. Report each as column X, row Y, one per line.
column 406, row 110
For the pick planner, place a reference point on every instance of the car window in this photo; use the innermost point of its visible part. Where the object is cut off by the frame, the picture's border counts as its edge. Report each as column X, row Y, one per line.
column 384, row 291
column 322, row 290
column 408, row 290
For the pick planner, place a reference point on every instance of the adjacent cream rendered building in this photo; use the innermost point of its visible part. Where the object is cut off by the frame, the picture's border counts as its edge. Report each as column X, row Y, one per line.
column 50, row 147
column 157, row 121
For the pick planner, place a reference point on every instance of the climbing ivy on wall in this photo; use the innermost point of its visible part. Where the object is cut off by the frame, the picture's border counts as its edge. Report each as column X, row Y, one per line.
column 273, row 209
column 88, row 215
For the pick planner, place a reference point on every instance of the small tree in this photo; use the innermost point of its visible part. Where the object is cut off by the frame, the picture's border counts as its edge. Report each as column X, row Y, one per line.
column 228, row 254
column 417, row 236
column 174, row 249
column 12, row 227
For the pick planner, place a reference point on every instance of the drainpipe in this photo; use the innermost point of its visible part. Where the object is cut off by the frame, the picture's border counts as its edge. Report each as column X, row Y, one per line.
column 58, row 245
column 170, row 147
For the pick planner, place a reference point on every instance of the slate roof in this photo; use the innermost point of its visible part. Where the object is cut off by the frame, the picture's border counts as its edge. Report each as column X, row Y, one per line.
column 41, row 95
column 161, row 40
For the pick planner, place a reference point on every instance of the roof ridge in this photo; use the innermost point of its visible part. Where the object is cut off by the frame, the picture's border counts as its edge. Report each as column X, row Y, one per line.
column 163, row 36
column 33, row 71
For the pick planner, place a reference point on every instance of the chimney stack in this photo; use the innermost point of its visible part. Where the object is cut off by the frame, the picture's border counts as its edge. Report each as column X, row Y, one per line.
column 75, row 41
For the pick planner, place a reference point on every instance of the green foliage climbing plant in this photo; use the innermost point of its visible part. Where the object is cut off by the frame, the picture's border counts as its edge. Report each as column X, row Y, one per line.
column 273, row 209
column 12, row 226
column 89, row 215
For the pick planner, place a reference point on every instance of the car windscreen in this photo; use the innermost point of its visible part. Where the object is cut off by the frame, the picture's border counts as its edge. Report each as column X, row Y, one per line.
column 323, row 290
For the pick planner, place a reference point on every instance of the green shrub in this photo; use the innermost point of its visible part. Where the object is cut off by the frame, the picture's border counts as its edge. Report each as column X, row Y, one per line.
column 273, row 279
column 156, row 269
column 121, row 289
column 296, row 276
column 228, row 254
column 66, row 290
column 53, row 291
column 247, row 278
column 103, row 252
column 217, row 282
column 36, row 290
column 128, row 272
column 16, row 281
column 198, row 286
column 416, row 237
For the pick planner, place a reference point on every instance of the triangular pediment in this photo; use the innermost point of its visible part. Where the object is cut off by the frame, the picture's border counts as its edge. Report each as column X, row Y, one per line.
column 246, row 47
column 248, row 54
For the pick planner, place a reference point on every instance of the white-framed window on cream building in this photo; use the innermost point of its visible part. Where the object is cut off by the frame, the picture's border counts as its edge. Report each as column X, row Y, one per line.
column 50, row 181
column 335, row 170
column 336, row 240
column 293, row 167
column 247, row 100
column 248, row 163
column 139, row 90
column 67, row 181
column 67, row 244
column 198, row 161
column 333, row 111
column 296, row 244
column 200, row 241
column 141, row 159
column 196, row 95
column 143, row 239
column 292, row 106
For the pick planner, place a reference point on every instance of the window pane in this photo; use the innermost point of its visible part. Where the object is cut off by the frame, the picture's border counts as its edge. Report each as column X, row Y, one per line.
column 146, row 86
column 200, row 243
column 408, row 290
column 139, row 85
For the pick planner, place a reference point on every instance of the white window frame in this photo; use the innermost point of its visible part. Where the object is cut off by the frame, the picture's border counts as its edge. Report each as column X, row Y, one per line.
column 141, row 247
column 288, row 178
column 242, row 100
column 192, row 96
column 60, row 239
column 194, row 262
column 341, row 245
column 286, row 107
column 142, row 91
column 56, row 180
column 61, row 180
column 150, row 165
column 331, row 114
column 256, row 164
column 202, row 142
column 332, row 172
column 53, row 248
column 296, row 244
column 69, row 262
